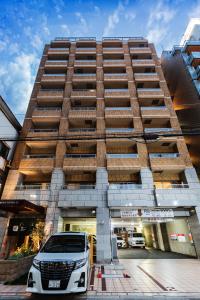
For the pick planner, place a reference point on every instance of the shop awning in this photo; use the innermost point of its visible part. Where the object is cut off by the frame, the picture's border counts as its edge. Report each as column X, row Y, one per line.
column 21, row 206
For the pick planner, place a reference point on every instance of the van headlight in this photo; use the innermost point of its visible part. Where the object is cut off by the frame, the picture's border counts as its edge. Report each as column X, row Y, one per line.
column 80, row 263
column 36, row 263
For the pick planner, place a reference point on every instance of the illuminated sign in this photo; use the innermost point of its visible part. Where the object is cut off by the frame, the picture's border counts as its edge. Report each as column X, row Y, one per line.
column 147, row 213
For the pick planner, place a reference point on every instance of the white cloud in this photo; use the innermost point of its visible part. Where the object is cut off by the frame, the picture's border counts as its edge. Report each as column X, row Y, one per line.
column 36, row 42
column 16, row 80
column 195, row 11
column 130, row 16
column 13, row 48
column 3, row 45
column 83, row 22
column 160, row 13
column 158, row 21
column 65, row 29
column 46, row 30
column 113, row 20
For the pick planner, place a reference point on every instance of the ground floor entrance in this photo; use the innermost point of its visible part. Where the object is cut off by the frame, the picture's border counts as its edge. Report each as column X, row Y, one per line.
column 167, row 235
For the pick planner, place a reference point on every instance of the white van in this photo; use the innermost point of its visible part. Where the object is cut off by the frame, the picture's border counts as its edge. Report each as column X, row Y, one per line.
column 61, row 266
column 136, row 239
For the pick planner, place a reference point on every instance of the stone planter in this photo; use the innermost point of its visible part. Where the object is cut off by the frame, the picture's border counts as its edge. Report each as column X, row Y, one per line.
column 13, row 269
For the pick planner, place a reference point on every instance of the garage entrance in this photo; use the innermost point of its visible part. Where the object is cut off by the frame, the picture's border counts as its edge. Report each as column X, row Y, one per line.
column 155, row 238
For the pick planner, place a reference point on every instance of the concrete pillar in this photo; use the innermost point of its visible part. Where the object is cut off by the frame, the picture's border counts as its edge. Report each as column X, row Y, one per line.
column 103, row 251
column 4, row 222
column 53, row 212
column 192, row 178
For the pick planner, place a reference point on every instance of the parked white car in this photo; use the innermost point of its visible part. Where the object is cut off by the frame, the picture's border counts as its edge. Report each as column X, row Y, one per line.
column 61, row 266
column 136, row 239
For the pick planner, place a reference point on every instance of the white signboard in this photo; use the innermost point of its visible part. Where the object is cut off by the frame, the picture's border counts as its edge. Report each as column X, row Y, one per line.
column 147, row 213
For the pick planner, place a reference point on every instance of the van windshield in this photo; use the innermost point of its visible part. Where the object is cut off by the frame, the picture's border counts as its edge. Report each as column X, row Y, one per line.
column 137, row 235
column 65, row 244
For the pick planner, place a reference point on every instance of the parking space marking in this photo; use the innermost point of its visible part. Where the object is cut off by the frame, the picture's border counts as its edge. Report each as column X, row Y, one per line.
column 153, row 279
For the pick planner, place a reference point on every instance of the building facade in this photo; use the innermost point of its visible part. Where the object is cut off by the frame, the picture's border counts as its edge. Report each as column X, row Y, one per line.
column 101, row 143
column 181, row 68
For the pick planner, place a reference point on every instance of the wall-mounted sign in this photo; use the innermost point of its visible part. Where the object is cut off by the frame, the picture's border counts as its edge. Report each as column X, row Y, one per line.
column 173, row 236
column 147, row 213
column 181, row 237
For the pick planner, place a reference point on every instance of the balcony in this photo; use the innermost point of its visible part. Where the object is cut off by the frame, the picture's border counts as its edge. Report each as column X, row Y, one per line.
column 154, row 111
column 58, row 50
column 127, row 161
column 116, row 92
column 194, row 58
column 115, row 76
column 129, row 194
column 50, row 93
column 158, row 130
column 140, row 50
column 150, row 93
column 81, row 130
column 86, row 50
column 84, row 77
column 37, row 162
column 48, row 78
column 114, row 62
column 36, row 193
column 46, row 114
column 82, row 112
column 83, row 93
column 43, row 132
column 198, row 72
column 72, row 196
column 191, row 46
column 80, row 162
column 176, row 195
column 143, row 62
column 169, row 161
column 113, row 112
column 108, row 50
column 85, row 63
column 146, row 76
column 54, row 63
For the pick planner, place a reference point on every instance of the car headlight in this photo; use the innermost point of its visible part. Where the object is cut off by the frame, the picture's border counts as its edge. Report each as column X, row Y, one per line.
column 36, row 263
column 80, row 263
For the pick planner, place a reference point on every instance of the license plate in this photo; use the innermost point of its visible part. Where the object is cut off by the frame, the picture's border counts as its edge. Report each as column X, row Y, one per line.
column 54, row 284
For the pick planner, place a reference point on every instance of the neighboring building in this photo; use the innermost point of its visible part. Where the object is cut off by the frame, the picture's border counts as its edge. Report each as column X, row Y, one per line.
column 181, row 68
column 9, row 128
column 91, row 156
column 192, row 32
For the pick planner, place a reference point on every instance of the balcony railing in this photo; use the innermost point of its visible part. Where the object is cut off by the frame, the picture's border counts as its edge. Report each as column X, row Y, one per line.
column 51, row 90
column 113, row 48
column 80, row 155
column 82, row 129
column 164, row 155
column 48, row 108
column 125, row 186
column 149, row 90
column 79, row 187
column 116, row 90
column 27, row 156
column 153, row 107
column 85, row 74
column 126, row 155
column 84, row 90
column 86, row 48
column 166, row 185
column 85, row 60
column 56, row 60
column 58, row 48
column 119, row 129
column 158, row 129
column 114, row 60
column 83, row 108
column 43, row 130
column 118, row 108
column 23, row 187
column 56, row 74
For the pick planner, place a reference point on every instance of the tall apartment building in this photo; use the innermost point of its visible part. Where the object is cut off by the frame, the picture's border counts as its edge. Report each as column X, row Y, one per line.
column 181, row 68
column 94, row 151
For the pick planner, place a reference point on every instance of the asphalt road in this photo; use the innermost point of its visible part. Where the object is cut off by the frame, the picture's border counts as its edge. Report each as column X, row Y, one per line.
column 137, row 253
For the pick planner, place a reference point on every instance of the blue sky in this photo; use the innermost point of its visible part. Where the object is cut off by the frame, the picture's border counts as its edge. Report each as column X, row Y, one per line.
column 26, row 25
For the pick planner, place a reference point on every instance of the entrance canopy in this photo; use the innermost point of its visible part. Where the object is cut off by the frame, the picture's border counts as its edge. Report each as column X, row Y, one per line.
column 21, row 206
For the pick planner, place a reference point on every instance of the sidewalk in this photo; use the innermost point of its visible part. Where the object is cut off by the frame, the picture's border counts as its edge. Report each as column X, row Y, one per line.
column 135, row 278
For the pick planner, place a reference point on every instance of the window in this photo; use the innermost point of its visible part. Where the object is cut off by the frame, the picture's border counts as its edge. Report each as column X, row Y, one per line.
column 4, row 150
